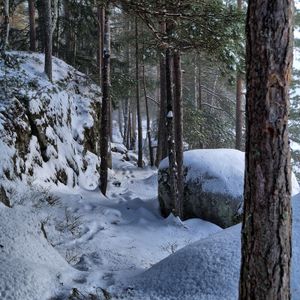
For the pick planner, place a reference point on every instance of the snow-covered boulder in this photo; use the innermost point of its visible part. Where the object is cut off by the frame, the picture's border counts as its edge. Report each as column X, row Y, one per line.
column 49, row 130
column 213, row 185
column 205, row 270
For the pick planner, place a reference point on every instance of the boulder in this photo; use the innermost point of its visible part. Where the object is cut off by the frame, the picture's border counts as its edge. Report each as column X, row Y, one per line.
column 213, row 186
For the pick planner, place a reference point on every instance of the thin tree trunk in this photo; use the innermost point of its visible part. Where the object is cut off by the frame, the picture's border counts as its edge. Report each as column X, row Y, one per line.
column 133, row 125
column 100, row 18
column 126, row 138
column 68, row 34
column 48, row 38
column 129, row 130
column 199, row 99
column 138, row 106
column 5, row 31
column 238, row 108
column 178, row 122
column 170, row 131
column 238, row 113
column 266, row 229
column 104, row 141
column 162, row 148
column 148, row 120
column 32, row 30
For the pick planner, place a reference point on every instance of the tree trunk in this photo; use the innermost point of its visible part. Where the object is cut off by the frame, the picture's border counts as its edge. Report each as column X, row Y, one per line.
column 100, row 18
column 104, row 141
column 138, row 106
column 48, row 38
column 238, row 107
column 126, row 139
column 238, row 113
column 32, row 31
column 162, row 147
column 266, row 229
column 5, row 31
column 68, row 34
column 170, row 131
column 148, row 120
column 133, row 125
column 178, row 122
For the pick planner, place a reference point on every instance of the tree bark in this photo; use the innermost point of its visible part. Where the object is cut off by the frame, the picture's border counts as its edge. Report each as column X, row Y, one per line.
column 138, row 106
column 238, row 107
column 5, row 31
column 32, row 30
column 162, row 147
column 148, row 120
column 266, row 229
column 170, row 130
column 100, row 18
column 238, row 113
column 178, row 122
column 48, row 38
column 104, row 141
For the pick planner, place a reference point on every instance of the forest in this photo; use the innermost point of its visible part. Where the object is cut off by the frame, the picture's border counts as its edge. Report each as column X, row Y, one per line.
column 150, row 150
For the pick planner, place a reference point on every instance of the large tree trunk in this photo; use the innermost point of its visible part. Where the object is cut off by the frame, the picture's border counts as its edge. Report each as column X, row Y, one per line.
column 48, row 38
column 32, row 31
column 266, row 230
column 138, row 105
column 104, row 141
column 162, row 148
column 178, row 118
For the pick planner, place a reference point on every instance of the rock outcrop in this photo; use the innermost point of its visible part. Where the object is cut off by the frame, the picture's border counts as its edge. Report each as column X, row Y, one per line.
column 48, row 126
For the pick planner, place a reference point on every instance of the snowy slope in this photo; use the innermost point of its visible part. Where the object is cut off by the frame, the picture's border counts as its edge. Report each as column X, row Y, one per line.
column 49, row 130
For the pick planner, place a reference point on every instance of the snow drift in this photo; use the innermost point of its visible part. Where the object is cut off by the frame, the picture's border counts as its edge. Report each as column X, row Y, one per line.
column 206, row 270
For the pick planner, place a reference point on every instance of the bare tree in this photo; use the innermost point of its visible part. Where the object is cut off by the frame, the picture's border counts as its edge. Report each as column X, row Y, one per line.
column 266, row 229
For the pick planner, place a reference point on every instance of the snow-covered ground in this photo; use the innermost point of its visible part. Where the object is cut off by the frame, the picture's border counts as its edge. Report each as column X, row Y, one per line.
column 105, row 240
column 58, row 239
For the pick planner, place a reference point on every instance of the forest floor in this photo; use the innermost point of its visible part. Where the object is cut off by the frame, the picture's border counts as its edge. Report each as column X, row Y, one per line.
column 123, row 234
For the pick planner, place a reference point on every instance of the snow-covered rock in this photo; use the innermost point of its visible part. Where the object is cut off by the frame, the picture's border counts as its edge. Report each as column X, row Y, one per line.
column 49, row 131
column 213, row 185
column 205, row 270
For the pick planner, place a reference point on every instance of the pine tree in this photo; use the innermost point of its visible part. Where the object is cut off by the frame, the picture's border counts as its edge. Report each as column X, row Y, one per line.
column 266, row 229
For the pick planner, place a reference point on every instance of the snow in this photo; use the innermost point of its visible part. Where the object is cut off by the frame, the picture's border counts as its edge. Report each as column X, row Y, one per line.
column 205, row 270
column 30, row 267
column 225, row 167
